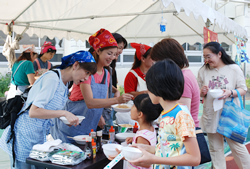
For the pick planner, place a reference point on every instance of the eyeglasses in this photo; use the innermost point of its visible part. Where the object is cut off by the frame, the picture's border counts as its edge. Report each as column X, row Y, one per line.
column 208, row 57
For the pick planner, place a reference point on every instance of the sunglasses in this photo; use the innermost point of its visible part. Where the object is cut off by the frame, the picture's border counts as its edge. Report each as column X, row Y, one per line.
column 51, row 50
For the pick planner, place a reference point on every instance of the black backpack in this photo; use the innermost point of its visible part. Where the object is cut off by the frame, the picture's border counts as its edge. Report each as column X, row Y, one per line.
column 10, row 108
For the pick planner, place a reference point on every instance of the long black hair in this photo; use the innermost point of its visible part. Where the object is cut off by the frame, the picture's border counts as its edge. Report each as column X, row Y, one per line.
column 119, row 39
column 144, row 104
column 215, row 48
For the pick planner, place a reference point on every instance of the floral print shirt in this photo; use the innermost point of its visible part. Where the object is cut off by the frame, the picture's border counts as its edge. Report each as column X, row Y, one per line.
column 175, row 126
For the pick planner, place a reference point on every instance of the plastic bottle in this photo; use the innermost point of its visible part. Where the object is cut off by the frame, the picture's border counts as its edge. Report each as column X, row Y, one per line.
column 111, row 134
column 88, row 148
column 135, row 128
column 93, row 134
column 93, row 148
column 99, row 141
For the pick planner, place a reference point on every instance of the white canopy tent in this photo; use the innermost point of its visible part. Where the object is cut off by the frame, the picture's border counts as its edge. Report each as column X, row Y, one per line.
column 136, row 20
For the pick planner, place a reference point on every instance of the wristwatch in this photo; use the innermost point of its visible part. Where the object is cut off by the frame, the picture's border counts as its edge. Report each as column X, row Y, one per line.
column 231, row 93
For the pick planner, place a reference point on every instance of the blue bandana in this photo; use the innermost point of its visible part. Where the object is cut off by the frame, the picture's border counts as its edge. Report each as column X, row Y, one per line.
column 80, row 56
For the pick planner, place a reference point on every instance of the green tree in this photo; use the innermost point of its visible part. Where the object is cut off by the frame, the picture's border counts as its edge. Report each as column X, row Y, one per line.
column 4, row 83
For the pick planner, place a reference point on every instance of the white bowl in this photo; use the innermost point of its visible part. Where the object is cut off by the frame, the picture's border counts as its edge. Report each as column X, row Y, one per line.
column 122, row 136
column 109, row 149
column 215, row 93
column 64, row 120
column 131, row 153
column 126, row 125
column 81, row 139
column 127, row 109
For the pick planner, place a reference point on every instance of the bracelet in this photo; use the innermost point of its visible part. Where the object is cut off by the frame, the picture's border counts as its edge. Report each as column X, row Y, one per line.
column 231, row 93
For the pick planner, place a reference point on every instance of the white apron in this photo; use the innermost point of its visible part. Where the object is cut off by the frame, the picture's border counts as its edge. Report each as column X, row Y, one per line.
column 141, row 86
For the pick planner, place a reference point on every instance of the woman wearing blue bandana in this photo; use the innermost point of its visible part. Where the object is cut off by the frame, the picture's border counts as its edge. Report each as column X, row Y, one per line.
column 90, row 97
column 47, row 98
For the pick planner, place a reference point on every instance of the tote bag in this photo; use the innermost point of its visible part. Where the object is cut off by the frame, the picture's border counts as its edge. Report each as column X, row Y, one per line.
column 234, row 121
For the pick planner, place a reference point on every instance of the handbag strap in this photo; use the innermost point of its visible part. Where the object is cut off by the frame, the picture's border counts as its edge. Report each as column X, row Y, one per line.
column 240, row 99
column 16, row 71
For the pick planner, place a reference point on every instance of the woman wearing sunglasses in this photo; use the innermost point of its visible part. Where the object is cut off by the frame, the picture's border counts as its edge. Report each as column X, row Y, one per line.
column 42, row 64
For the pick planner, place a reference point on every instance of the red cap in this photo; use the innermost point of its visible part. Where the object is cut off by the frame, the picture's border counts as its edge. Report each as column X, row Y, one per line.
column 92, row 130
column 46, row 46
column 111, row 129
column 135, row 126
column 93, row 142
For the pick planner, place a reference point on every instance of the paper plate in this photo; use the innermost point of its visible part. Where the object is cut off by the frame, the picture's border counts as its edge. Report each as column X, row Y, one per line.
column 122, row 107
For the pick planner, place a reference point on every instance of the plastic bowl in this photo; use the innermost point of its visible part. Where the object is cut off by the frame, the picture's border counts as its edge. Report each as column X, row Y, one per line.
column 120, row 108
column 131, row 153
column 64, row 120
column 109, row 149
column 122, row 136
column 215, row 93
column 81, row 139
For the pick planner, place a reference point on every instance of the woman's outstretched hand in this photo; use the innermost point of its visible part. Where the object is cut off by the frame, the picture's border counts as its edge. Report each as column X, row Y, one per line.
column 124, row 98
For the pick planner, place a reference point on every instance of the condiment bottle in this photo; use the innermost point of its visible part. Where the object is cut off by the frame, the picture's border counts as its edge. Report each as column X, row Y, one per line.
column 135, row 128
column 93, row 134
column 111, row 134
column 88, row 148
column 99, row 141
column 93, row 148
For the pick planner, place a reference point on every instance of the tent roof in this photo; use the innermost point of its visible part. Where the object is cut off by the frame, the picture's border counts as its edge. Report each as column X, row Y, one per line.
column 136, row 20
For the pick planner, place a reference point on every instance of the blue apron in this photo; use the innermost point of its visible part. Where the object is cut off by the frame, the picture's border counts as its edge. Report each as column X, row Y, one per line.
column 92, row 116
column 31, row 131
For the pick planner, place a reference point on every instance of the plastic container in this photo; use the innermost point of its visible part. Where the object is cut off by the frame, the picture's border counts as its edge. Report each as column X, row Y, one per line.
column 99, row 141
column 93, row 143
column 93, row 134
column 111, row 134
column 135, row 128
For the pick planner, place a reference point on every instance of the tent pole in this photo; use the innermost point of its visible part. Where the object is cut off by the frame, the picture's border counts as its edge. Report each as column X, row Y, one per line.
column 175, row 14
column 24, row 10
column 228, row 38
column 49, row 28
column 104, row 16
column 217, row 6
column 245, row 2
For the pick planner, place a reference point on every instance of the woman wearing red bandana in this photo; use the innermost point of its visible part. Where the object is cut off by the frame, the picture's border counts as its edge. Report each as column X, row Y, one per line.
column 91, row 96
column 42, row 64
column 135, row 83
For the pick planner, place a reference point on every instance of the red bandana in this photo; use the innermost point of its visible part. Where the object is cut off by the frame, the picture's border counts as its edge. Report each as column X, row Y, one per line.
column 141, row 49
column 102, row 38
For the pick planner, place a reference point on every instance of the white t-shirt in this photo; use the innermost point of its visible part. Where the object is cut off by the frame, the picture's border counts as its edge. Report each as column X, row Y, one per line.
column 228, row 77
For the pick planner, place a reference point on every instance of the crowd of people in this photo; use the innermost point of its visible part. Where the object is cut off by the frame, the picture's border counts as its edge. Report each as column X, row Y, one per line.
column 160, row 83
